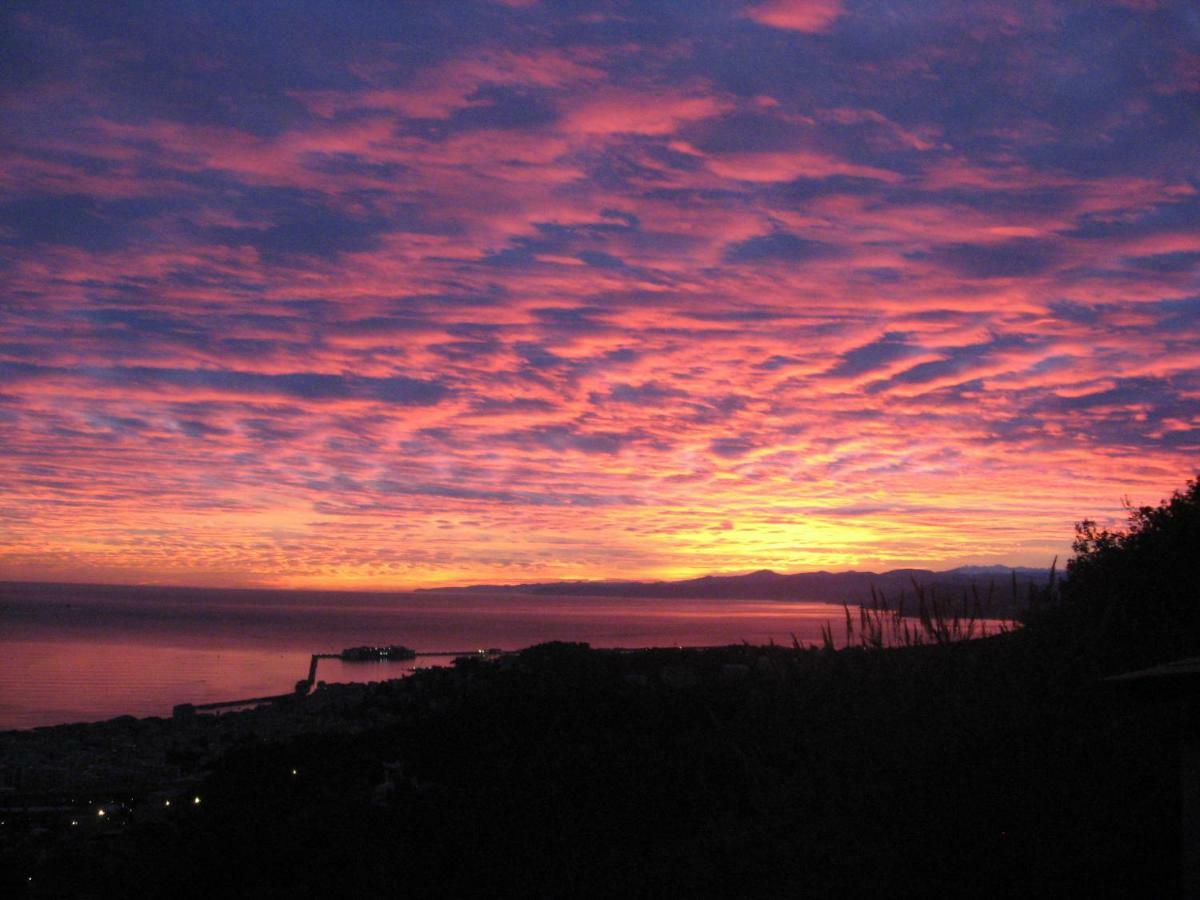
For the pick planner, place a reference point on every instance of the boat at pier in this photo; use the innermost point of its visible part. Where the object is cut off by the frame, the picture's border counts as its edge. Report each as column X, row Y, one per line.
column 368, row 654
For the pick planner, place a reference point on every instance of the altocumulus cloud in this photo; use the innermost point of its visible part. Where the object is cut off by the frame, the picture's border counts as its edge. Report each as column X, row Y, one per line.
column 839, row 274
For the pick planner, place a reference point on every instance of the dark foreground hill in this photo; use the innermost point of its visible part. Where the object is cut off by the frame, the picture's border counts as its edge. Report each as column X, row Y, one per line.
column 1005, row 766
column 986, row 767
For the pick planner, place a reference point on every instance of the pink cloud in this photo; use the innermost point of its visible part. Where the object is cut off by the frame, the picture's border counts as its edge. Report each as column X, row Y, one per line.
column 765, row 167
column 650, row 112
column 796, row 15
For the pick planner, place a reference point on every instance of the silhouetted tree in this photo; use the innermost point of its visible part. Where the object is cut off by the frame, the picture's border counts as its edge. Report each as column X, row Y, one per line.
column 1138, row 590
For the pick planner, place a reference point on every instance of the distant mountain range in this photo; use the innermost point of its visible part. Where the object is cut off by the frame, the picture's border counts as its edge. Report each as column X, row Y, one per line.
column 837, row 587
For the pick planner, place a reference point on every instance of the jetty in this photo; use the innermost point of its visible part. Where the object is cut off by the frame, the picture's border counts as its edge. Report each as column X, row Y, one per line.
column 305, row 685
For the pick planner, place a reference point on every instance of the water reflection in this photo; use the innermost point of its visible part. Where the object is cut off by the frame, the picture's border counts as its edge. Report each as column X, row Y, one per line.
column 83, row 654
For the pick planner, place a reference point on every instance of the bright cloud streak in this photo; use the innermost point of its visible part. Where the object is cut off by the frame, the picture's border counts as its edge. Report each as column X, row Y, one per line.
column 393, row 296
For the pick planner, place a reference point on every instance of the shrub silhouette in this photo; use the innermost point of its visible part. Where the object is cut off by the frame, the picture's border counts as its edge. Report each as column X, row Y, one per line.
column 1135, row 593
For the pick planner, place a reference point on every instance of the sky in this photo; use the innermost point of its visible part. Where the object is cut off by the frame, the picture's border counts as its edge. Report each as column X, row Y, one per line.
column 388, row 295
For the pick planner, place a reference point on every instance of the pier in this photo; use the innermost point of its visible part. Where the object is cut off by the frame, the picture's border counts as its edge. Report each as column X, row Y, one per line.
column 305, row 685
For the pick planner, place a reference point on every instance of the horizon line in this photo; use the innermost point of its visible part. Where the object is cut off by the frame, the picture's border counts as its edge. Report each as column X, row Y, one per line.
column 500, row 585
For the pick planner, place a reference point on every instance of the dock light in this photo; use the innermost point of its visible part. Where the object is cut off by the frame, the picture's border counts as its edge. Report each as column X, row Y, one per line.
column 195, row 801
column 294, row 772
column 100, row 812
column 168, row 803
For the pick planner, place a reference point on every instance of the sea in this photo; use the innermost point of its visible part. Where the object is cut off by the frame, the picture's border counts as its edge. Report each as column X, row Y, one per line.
column 85, row 653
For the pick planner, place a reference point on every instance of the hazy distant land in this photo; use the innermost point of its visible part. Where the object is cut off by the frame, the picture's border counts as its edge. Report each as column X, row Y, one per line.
column 848, row 587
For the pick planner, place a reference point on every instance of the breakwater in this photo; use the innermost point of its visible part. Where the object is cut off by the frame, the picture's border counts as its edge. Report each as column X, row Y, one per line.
column 305, row 685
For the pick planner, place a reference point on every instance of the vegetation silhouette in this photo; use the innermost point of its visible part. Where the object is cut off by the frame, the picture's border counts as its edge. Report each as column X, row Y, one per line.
column 912, row 760
column 940, row 617
column 1135, row 593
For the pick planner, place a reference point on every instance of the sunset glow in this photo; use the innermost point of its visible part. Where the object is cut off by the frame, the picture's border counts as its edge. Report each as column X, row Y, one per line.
column 402, row 295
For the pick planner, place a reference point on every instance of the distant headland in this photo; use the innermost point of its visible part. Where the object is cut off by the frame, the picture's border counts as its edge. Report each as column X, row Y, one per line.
column 850, row 586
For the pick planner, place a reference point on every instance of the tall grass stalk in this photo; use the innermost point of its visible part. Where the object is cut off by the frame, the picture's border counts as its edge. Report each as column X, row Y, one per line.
column 940, row 618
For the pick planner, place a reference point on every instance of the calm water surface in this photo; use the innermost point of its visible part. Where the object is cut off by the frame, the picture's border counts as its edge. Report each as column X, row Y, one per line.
column 74, row 654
